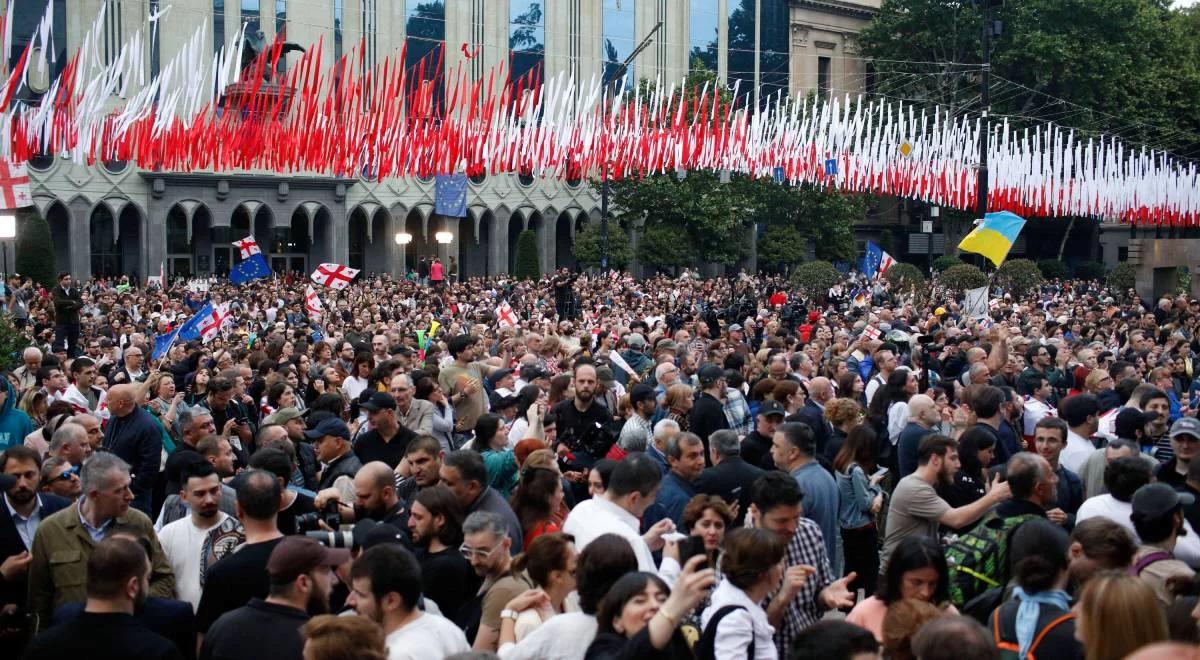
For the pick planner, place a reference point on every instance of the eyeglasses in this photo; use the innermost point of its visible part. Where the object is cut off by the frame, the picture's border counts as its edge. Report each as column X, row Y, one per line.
column 68, row 475
column 479, row 553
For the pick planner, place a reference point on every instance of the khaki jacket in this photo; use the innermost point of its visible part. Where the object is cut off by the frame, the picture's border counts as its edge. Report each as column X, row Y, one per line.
column 61, row 548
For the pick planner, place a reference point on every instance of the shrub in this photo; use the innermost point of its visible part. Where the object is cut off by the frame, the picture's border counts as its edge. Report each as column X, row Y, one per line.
column 526, row 264
column 945, row 261
column 12, row 342
column 1122, row 278
column 587, row 246
column 815, row 278
column 1052, row 269
column 905, row 278
column 962, row 277
column 1090, row 270
column 1019, row 276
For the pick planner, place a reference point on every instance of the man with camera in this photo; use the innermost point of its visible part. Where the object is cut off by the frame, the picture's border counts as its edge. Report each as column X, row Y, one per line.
column 375, row 499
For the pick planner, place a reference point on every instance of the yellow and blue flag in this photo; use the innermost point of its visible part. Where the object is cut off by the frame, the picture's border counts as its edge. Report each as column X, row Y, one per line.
column 994, row 237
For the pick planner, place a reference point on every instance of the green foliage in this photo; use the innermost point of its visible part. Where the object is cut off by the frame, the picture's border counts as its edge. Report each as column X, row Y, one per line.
column 815, row 278
column 526, row 265
column 1018, row 276
column 781, row 246
column 945, row 261
column 905, row 278
column 34, row 249
column 12, row 342
column 824, row 218
column 1053, row 269
column 962, row 277
column 1089, row 270
column 1183, row 280
column 587, row 246
column 661, row 247
column 1122, row 278
column 1127, row 65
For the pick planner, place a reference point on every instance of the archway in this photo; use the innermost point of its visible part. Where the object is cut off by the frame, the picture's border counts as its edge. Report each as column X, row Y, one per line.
column 516, row 225
column 202, row 240
column 59, row 219
column 105, row 262
column 320, row 249
column 291, row 247
column 358, row 238
column 413, row 226
column 131, row 244
column 264, row 226
column 473, row 246
column 378, row 257
column 563, row 238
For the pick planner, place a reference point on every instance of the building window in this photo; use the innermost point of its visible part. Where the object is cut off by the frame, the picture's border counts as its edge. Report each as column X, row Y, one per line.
column 526, row 43
column 619, row 38
column 703, row 26
column 1122, row 254
column 824, row 65
column 218, row 25
column 425, row 43
column 252, row 16
column 281, row 31
column 26, row 16
column 338, row 17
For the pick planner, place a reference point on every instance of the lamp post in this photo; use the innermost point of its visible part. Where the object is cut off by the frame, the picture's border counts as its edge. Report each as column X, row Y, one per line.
column 990, row 29
column 444, row 238
column 8, row 231
column 927, row 228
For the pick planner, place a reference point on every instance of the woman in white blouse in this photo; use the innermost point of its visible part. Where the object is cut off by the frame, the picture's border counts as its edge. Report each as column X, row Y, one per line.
column 752, row 562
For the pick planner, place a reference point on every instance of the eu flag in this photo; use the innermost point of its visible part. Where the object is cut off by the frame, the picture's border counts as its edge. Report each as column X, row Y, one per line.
column 254, row 268
column 871, row 260
column 451, row 196
column 191, row 330
column 163, row 342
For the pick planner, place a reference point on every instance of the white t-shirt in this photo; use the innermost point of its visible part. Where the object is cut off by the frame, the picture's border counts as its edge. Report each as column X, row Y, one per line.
column 428, row 636
column 182, row 542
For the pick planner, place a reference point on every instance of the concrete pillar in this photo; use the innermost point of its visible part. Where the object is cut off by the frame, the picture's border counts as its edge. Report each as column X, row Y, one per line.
column 81, row 246
column 498, row 242
column 750, row 263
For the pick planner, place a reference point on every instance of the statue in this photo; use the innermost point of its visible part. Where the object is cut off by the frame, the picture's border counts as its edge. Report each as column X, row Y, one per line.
column 256, row 44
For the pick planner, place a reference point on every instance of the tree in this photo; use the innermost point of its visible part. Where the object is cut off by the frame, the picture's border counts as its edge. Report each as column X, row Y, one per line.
column 587, row 246
column 526, row 265
column 34, row 248
column 12, row 342
column 1090, row 270
column 661, row 247
column 1122, row 278
column 905, row 278
column 1018, row 276
column 962, row 277
column 823, row 217
column 815, row 278
column 1053, row 269
column 781, row 246
column 945, row 261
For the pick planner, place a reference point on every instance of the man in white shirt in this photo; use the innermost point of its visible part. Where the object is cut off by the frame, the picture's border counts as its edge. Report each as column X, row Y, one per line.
column 631, row 490
column 886, row 362
column 1037, row 406
column 183, row 540
column 386, row 588
column 1082, row 414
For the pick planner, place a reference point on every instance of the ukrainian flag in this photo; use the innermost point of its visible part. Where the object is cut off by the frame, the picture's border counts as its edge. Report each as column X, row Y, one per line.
column 994, row 237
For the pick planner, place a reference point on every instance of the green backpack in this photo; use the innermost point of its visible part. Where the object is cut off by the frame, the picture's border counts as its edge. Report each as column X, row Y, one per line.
column 978, row 560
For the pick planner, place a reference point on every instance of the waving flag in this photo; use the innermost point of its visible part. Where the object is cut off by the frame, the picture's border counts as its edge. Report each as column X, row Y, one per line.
column 14, row 185
column 209, row 327
column 871, row 332
column 505, row 316
column 248, row 247
column 994, row 237
column 875, row 261
column 191, row 330
column 162, row 344
column 312, row 303
column 253, row 268
column 334, row 276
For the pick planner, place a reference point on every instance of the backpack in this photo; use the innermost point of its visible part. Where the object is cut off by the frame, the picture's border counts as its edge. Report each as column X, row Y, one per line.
column 706, row 648
column 1010, row 650
column 978, row 560
column 1150, row 558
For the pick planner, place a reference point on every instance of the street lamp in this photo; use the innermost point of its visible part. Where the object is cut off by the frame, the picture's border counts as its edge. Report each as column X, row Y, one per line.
column 444, row 237
column 8, row 230
column 403, row 238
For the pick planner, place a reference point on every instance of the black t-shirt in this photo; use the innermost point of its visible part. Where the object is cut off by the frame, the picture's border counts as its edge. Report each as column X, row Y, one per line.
column 233, row 581
column 371, row 446
column 756, row 450
column 584, row 433
column 100, row 636
column 447, row 579
column 286, row 520
column 258, row 630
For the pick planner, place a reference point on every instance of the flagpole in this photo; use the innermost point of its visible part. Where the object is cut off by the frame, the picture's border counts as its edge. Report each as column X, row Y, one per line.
column 167, row 350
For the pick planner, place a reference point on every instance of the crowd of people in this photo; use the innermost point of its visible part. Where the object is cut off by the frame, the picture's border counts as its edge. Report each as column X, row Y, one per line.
column 593, row 466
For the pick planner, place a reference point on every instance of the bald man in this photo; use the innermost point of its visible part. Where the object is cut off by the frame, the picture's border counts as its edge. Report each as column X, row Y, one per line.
column 923, row 417
column 375, row 497
column 133, row 435
column 820, row 392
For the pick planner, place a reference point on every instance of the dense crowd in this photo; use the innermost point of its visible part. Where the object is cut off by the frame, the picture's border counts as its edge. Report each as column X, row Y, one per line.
column 598, row 467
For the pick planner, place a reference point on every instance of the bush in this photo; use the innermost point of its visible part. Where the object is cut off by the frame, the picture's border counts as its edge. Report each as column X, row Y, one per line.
column 587, row 246
column 781, row 246
column 1019, row 276
column 905, row 278
column 664, row 247
column 35, row 249
column 962, row 277
column 1090, row 270
column 1052, row 269
column 815, row 278
column 12, row 342
column 945, row 261
column 1122, row 278
column 526, row 264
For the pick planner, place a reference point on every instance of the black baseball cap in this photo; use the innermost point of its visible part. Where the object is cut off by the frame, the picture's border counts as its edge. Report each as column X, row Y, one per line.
column 378, row 401
column 1158, row 499
column 768, row 408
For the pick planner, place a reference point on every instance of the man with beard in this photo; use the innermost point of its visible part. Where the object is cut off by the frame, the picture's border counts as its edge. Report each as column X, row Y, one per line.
column 424, row 460
column 916, row 507
column 118, row 581
column 1159, row 521
column 183, row 540
column 24, row 509
column 386, row 588
column 436, row 528
column 582, row 423
column 301, row 577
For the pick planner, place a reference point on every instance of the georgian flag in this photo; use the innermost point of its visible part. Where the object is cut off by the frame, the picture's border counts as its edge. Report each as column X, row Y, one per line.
column 209, row 327
column 505, row 316
column 248, row 247
column 885, row 263
column 312, row 303
column 14, row 185
column 871, row 332
column 334, row 276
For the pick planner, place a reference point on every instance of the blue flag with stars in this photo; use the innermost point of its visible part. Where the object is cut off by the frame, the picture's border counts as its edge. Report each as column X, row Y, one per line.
column 191, row 330
column 871, row 259
column 254, row 268
column 451, row 196
column 163, row 342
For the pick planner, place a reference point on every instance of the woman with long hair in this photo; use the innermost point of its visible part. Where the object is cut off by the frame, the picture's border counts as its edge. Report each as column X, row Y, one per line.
column 851, row 386
column 1117, row 614
column 491, row 441
column 970, row 482
column 678, row 402
column 360, row 375
column 917, row 570
column 538, row 496
column 551, row 562
column 883, row 408
column 34, row 404
column 560, row 389
column 197, row 386
column 640, row 616
column 527, row 423
column 859, row 501
column 427, row 389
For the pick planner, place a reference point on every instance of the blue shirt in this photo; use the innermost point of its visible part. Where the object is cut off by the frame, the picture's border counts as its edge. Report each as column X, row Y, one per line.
column 26, row 527
column 673, row 497
column 97, row 533
column 821, row 504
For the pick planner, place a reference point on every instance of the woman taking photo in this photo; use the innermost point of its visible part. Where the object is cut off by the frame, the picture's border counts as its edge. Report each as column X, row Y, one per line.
column 970, row 483
column 917, row 570
column 539, row 495
column 859, row 501
column 527, row 423
column 735, row 624
column 491, row 441
column 426, row 389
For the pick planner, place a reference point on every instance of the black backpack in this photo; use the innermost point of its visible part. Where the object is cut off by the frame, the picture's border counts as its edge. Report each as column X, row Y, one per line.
column 706, row 647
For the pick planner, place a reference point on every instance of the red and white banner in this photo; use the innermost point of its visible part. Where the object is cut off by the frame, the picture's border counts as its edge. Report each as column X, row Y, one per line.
column 505, row 316
column 872, row 332
column 885, row 263
column 312, row 303
column 14, row 185
column 334, row 276
column 248, row 247
column 210, row 326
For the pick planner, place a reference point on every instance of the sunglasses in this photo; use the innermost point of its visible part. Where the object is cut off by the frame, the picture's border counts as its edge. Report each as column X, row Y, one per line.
column 69, row 474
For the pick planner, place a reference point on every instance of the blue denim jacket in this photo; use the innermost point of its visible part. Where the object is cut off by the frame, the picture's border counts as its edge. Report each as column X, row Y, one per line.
column 855, row 494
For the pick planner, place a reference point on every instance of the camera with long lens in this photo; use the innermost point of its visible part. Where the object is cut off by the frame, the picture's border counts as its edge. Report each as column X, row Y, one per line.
column 333, row 539
column 310, row 522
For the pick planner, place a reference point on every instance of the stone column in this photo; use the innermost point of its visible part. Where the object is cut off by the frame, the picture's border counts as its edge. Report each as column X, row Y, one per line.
column 498, row 242
column 81, row 246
